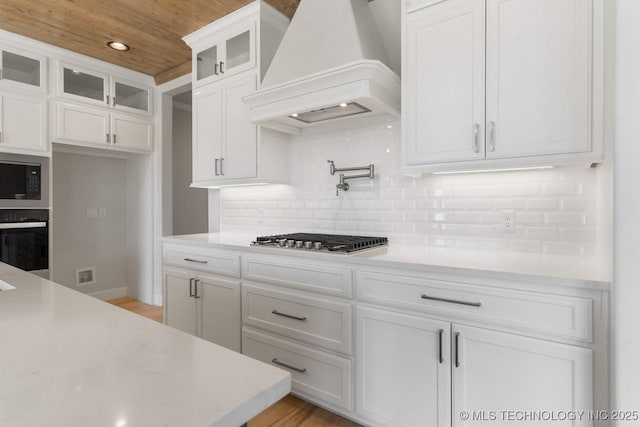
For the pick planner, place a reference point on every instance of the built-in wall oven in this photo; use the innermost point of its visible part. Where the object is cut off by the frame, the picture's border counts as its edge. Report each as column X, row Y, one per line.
column 24, row 214
column 24, row 239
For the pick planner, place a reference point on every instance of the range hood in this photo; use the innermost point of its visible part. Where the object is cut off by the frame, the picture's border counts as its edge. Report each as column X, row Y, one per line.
column 331, row 65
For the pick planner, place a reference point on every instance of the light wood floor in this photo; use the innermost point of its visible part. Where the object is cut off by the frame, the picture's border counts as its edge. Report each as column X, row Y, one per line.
column 288, row 412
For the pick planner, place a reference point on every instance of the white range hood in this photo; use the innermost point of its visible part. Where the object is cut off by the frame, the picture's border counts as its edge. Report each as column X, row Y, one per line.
column 331, row 65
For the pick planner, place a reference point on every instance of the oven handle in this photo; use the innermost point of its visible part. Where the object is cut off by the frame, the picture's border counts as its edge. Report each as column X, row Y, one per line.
column 10, row 225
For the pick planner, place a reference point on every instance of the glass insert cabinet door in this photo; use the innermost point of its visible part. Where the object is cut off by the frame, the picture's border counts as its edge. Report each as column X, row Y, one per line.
column 22, row 71
column 128, row 97
column 89, row 86
column 232, row 54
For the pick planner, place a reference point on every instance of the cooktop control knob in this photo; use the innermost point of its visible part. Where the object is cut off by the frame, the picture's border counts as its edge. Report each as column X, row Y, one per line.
column 290, row 243
column 282, row 242
column 307, row 245
column 317, row 245
column 299, row 244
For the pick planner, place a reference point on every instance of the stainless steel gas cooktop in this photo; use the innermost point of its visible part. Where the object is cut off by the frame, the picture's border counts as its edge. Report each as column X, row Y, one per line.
column 321, row 242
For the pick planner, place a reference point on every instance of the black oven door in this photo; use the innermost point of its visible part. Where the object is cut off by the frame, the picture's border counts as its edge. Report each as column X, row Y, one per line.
column 25, row 245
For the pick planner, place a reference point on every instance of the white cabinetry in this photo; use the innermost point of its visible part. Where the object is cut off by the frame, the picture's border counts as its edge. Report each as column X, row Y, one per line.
column 307, row 333
column 23, row 123
column 230, row 57
column 101, row 110
column 23, row 102
column 541, row 88
column 199, row 301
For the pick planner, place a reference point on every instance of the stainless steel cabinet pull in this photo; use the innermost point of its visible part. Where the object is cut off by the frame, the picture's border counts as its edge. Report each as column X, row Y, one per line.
column 191, row 287
column 221, row 163
column 457, row 349
column 440, row 358
column 107, row 100
column 476, row 130
column 195, row 260
column 301, row 370
column 215, row 69
column 217, row 160
column 114, row 138
column 492, row 136
column 277, row 313
column 113, row 101
column 222, row 67
column 452, row 301
column 195, row 294
column 0, row 136
column 108, row 138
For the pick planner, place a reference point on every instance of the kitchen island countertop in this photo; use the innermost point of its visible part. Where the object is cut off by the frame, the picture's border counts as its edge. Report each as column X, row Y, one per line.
column 571, row 271
column 67, row 359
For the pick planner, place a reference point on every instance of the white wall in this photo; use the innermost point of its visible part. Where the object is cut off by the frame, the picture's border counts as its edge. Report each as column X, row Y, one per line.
column 626, row 290
column 80, row 183
column 190, row 205
column 555, row 210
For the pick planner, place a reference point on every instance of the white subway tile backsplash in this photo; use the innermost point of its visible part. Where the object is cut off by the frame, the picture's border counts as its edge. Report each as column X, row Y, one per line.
column 555, row 210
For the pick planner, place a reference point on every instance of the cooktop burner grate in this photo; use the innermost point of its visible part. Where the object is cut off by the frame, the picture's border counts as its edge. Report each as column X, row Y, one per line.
column 319, row 242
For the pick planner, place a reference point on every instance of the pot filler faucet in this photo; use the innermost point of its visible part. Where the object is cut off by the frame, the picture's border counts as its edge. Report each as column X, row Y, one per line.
column 343, row 184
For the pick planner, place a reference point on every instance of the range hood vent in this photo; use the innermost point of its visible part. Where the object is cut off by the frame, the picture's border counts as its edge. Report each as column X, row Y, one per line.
column 331, row 65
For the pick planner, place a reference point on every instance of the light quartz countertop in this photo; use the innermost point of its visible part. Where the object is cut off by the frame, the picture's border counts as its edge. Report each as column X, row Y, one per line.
column 572, row 271
column 67, row 359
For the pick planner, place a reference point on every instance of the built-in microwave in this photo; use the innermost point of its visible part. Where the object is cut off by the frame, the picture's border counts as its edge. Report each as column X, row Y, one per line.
column 24, row 181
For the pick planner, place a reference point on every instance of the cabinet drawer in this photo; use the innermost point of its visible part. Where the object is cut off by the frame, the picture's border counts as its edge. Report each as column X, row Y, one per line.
column 553, row 315
column 314, row 373
column 203, row 260
column 316, row 321
column 324, row 279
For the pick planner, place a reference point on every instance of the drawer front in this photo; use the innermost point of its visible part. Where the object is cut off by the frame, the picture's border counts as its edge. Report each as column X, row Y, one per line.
column 553, row 315
column 315, row 277
column 314, row 374
column 314, row 320
column 203, row 260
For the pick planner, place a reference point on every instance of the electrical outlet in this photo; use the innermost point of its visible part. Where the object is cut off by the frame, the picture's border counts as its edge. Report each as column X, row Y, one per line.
column 102, row 213
column 260, row 215
column 508, row 222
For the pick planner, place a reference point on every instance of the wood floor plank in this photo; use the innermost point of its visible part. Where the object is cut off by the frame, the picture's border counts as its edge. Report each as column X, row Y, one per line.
column 288, row 412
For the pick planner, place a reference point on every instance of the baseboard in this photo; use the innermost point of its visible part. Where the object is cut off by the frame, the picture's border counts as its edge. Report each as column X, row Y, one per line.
column 157, row 299
column 110, row 294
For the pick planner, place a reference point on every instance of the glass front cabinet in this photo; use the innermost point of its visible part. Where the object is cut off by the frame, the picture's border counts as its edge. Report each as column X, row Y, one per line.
column 87, row 86
column 233, row 53
column 23, row 71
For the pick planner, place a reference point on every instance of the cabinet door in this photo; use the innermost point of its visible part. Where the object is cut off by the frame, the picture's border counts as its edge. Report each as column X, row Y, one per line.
column 220, row 311
column 23, row 122
column 207, row 133
column 498, row 371
column 239, row 50
column 81, row 85
column 241, row 136
column 403, row 369
column 82, row 125
column 134, row 132
column 179, row 304
column 206, row 63
column 23, row 71
column 444, row 87
column 538, row 81
column 130, row 97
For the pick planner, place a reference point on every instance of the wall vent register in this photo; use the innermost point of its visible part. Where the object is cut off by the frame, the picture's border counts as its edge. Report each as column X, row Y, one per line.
column 321, row 242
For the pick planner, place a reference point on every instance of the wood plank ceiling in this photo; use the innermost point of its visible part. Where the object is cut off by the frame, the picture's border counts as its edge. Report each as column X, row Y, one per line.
column 152, row 28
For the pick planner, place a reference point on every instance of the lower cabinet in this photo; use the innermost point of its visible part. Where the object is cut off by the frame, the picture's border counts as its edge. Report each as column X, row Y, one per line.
column 203, row 305
column 416, row 371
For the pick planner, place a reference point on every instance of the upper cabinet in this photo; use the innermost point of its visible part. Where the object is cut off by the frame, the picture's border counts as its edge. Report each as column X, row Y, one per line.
column 233, row 52
column 23, row 71
column 79, row 84
column 483, row 87
column 95, row 109
column 230, row 57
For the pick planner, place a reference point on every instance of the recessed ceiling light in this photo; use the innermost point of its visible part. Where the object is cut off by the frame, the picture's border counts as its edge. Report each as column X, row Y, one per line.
column 294, row 115
column 344, row 104
column 118, row 46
